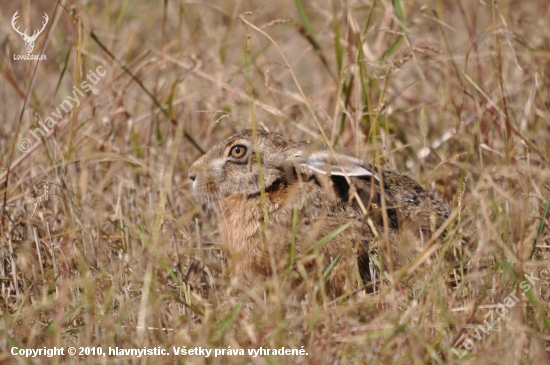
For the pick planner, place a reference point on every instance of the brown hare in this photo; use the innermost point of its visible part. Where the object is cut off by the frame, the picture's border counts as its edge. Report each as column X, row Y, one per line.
column 277, row 200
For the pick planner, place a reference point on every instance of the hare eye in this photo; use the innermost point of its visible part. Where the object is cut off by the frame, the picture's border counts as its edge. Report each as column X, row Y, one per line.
column 238, row 151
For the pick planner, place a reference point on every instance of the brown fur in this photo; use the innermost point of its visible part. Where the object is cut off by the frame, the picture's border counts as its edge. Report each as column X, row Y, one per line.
column 324, row 202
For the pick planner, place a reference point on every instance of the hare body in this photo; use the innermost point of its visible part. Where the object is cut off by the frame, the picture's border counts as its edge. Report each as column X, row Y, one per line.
column 309, row 193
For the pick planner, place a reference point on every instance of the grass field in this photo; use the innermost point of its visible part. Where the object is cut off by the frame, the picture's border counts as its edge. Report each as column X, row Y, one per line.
column 103, row 245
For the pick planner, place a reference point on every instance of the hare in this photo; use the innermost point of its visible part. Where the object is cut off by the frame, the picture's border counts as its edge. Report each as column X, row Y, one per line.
column 278, row 200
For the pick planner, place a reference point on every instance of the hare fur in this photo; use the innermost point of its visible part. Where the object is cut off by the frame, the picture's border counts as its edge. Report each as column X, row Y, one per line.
column 320, row 189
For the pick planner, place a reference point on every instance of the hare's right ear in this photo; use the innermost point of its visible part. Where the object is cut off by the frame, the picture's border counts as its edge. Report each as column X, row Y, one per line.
column 324, row 162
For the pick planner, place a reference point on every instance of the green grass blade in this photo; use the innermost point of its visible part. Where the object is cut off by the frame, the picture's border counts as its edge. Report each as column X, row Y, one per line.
column 65, row 64
column 541, row 226
column 307, row 24
column 328, row 270
column 323, row 241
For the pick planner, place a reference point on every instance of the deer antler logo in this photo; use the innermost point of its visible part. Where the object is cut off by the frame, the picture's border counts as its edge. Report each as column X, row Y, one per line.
column 29, row 41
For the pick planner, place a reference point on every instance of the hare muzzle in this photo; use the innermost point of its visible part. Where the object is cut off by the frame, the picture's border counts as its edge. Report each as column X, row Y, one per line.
column 192, row 174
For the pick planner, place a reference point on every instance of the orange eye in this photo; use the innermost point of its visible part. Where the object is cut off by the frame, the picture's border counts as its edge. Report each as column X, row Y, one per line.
column 238, row 151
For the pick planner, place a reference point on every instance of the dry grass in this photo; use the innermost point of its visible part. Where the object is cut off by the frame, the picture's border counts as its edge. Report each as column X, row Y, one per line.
column 117, row 253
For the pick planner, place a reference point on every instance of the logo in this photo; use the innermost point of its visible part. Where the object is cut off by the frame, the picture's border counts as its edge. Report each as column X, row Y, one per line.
column 29, row 40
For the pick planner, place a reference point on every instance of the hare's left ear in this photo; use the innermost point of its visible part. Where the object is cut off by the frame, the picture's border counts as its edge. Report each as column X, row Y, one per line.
column 324, row 162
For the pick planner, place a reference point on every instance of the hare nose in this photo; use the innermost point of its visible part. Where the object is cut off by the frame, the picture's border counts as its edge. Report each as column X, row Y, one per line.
column 192, row 174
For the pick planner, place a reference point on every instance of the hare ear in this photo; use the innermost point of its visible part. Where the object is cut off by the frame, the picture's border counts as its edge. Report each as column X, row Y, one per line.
column 338, row 165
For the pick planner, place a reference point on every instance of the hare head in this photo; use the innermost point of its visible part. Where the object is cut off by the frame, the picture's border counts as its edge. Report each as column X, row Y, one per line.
column 234, row 166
